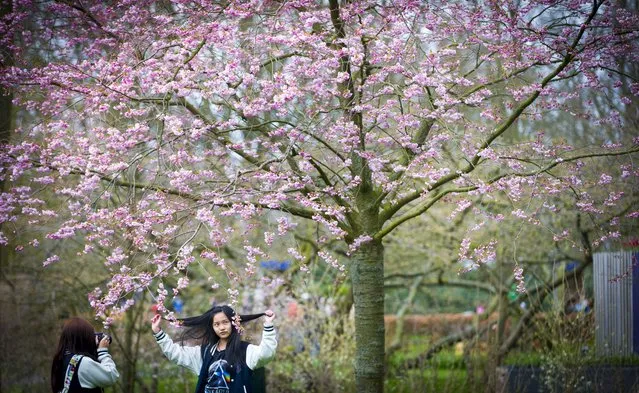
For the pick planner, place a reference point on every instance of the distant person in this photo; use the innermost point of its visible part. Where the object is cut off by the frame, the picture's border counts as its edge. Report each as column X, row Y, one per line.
column 223, row 362
column 81, row 362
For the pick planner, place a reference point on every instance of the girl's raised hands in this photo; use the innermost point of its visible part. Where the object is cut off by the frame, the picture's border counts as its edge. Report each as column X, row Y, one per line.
column 156, row 323
column 269, row 316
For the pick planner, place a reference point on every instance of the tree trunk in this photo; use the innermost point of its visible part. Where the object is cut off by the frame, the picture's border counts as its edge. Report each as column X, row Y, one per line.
column 495, row 358
column 129, row 367
column 367, row 275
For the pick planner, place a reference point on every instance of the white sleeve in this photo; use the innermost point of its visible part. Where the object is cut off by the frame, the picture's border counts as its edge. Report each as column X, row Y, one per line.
column 188, row 357
column 258, row 355
column 92, row 374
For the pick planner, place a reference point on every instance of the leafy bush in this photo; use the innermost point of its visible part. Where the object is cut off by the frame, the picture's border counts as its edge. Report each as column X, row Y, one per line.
column 314, row 355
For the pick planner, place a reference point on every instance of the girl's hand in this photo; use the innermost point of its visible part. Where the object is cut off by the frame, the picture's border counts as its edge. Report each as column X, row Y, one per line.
column 104, row 343
column 156, row 323
column 269, row 317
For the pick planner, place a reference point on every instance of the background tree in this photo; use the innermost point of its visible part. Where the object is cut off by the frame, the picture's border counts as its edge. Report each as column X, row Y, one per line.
column 360, row 116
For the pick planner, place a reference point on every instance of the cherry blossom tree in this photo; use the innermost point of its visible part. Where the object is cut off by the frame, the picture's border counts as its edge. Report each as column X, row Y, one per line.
column 159, row 122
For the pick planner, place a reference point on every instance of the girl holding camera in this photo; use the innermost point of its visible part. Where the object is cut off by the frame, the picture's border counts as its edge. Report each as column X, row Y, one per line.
column 81, row 362
column 223, row 362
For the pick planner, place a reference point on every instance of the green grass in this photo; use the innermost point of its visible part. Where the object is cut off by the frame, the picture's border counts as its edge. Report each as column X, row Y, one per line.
column 431, row 380
column 445, row 372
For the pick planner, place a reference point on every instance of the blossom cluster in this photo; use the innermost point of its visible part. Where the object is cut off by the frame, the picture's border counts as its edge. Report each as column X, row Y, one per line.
column 162, row 125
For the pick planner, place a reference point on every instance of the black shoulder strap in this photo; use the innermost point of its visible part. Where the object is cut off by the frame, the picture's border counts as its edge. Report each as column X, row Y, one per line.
column 68, row 376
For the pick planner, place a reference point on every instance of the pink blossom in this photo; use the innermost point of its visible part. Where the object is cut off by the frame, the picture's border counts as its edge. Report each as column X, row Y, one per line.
column 519, row 213
column 50, row 260
column 519, row 277
column 332, row 261
column 193, row 126
column 464, row 248
column 295, row 254
column 116, row 256
column 605, row 179
column 463, row 205
column 358, row 242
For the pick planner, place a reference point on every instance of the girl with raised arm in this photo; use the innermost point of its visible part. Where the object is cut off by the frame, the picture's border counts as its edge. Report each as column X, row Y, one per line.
column 223, row 362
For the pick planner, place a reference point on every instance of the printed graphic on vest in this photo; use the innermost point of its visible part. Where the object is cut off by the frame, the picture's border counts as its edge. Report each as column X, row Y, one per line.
column 219, row 377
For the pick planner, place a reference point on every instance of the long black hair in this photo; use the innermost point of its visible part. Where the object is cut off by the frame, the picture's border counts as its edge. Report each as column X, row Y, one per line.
column 200, row 330
column 78, row 338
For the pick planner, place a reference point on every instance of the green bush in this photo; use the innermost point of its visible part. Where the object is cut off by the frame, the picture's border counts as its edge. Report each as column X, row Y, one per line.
column 314, row 355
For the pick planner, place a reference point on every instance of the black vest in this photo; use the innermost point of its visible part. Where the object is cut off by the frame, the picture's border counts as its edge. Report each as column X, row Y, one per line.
column 241, row 378
column 75, row 382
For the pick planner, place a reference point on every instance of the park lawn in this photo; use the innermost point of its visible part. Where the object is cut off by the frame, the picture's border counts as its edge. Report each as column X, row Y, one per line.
column 430, row 380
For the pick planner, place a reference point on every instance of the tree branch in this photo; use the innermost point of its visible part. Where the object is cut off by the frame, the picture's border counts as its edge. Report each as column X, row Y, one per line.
column 540, row 293
column 452, row 283
column 90, row 16
column 568, row 57
column 427, row 204
column 447, row 341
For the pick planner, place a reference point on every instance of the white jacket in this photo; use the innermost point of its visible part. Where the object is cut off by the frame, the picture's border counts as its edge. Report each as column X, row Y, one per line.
column 191, row 358
column 92, row 374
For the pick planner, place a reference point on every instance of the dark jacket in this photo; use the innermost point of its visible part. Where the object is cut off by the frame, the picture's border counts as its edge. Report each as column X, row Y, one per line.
column 241, row 377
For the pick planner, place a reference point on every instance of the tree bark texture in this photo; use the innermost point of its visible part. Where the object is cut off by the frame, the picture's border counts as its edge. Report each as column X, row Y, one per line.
column 367, row 275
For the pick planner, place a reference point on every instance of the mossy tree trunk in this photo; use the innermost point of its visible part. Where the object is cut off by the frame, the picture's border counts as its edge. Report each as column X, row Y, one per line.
column 367, row 274
column 367, row 277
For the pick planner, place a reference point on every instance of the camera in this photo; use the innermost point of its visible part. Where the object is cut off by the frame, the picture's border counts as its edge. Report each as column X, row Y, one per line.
column 101, row 335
